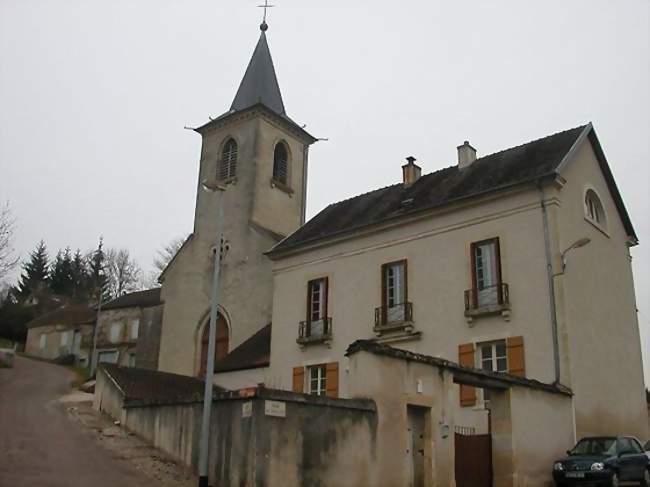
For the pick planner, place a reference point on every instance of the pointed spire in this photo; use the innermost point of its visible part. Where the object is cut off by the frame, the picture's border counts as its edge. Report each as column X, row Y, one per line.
column 260, row 85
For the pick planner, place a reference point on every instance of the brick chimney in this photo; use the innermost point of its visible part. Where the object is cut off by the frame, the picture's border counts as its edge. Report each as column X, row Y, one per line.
column 411, row 172
column 466, row 155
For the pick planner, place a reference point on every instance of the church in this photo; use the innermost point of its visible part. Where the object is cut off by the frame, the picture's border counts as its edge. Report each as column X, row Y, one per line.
column 505, row 272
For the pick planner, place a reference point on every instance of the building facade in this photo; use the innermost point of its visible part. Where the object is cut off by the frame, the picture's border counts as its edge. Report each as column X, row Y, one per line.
column 64, row 331
column 128, row 331
column 259, row 155
column 516, row 262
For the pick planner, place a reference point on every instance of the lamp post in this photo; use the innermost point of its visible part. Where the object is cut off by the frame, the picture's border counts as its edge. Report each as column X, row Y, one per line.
column 204, row 441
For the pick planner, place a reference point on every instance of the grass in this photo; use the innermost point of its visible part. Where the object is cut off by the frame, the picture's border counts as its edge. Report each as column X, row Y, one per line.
column 6, row 343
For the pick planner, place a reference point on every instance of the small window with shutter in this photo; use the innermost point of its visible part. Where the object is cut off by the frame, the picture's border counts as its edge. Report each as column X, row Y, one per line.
column 281, row 164
column 227, row 166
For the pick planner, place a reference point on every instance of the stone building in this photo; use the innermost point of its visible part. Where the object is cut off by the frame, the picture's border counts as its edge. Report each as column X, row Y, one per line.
column 128, row 332
column 515, row 262
column 67, row 330
column 260, row 155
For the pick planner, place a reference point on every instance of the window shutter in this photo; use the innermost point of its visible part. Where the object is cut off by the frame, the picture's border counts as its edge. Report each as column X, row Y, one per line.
column 298, row 379
column 332, row 381
column 516, row 364
column 466, row 358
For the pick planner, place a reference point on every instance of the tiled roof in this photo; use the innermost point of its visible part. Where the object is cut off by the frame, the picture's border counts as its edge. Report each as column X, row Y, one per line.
column 253, row 353
column 522, row 164
column 138, row 299
column 152, row 386
column 68, row 314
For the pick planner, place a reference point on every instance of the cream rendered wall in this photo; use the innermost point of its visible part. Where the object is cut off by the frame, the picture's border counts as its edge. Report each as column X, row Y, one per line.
column 255, row 216
column 240, row 379
column 438, row 253
column 597, row 310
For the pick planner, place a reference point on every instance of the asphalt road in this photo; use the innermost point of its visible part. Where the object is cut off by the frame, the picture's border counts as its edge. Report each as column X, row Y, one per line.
column 40, row 446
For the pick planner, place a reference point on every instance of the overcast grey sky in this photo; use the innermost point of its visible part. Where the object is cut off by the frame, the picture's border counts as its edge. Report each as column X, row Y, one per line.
column 94, row 96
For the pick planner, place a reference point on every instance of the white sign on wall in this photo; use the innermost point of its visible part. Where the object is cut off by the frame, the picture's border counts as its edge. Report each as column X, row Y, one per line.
column 247, row 409
column 275, row 408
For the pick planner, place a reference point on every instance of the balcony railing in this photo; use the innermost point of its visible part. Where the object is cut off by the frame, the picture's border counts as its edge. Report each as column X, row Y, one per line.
column 393, row 316
column 315, row 331
column 490, row 299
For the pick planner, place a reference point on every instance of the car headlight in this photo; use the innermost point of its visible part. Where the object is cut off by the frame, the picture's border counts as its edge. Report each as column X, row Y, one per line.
column 598, row 466
column 558, row 466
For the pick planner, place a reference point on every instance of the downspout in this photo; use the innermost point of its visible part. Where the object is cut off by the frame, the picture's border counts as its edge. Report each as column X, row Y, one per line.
column 551, row 284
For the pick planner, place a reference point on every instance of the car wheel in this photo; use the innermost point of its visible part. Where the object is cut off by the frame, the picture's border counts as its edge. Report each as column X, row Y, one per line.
column 614, row 482
column 645, row 482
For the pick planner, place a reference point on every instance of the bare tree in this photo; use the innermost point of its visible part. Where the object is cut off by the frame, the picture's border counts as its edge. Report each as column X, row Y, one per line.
column 7, row 227
column 167, row 253
column 123, row 272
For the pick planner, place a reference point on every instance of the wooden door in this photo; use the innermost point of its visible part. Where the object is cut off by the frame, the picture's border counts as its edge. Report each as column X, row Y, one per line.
column 473, row 460
column 221, row 345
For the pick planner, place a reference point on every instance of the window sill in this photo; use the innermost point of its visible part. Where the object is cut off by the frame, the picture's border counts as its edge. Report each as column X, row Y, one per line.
column 395, row 326
column 598, row 226
column 494, row 309
column 281, row 186
column 315, row 340
column 397, row 335
column 232, row 180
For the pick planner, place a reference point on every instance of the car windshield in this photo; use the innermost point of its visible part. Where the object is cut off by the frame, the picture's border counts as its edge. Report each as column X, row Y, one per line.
column 595, row 446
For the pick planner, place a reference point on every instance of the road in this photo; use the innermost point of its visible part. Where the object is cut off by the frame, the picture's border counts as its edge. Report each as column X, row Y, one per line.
column 40, row 446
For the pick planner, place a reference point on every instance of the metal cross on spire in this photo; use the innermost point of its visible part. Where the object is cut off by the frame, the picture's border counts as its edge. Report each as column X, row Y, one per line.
column 266, row 6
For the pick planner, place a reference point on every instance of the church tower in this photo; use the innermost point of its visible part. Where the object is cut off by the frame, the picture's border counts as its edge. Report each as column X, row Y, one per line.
column 260, row 156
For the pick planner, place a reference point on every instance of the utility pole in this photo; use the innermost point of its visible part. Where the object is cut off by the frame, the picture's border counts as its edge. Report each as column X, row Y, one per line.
column 93, row 356
column 204, row 442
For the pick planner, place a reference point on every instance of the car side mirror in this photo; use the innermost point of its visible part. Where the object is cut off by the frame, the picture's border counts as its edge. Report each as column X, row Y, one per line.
column 568, row 452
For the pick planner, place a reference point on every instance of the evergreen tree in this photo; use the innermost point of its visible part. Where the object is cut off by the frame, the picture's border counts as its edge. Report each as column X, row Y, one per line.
column 61, row 279
column 35, row 272
column 97, row 272
column 79, row 276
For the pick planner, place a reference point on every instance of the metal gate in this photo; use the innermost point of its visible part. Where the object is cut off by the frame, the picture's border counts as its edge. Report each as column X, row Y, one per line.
column 473, row 460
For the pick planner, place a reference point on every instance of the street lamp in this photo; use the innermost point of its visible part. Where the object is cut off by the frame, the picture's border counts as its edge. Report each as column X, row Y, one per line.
column 213, row 187
column 575, row 245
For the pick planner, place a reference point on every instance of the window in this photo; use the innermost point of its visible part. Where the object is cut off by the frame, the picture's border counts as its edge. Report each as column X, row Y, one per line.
column 317, row 300
column 43, row 341
column 494, row 358
column 131, row 360
column 280, row 163
column 135, row 326
column 64, row 338
column 486, row 273
column 116, row 332
column 318, row 380
column 110, row 357
column 594, row 211
column 227, row 167
column 394, row 291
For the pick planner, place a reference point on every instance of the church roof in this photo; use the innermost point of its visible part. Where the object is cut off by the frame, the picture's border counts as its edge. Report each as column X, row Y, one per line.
column 259, row 85
column 518, row 165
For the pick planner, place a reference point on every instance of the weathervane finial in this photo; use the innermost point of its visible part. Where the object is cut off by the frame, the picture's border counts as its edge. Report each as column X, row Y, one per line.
column 264, row 26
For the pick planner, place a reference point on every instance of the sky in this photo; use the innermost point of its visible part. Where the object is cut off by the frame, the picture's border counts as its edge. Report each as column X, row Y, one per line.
column 94, row 98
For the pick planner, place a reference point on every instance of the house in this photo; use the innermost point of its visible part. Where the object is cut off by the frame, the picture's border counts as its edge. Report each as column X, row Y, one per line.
column 128, row 331
column 67, row 330
column 513, row 262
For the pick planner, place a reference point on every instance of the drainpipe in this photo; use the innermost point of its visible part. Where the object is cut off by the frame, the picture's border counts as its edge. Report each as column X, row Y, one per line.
column 551, row 284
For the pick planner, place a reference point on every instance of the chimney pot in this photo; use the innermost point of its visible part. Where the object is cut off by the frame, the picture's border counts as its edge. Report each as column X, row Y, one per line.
column 411, row 172
column 466, row 155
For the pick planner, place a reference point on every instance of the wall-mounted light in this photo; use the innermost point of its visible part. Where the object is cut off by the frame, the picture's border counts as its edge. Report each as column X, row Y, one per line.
column 575, row 245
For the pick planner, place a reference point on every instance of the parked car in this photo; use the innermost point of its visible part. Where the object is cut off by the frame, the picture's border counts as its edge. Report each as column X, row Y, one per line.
column 605, row 460
column 646, row 447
